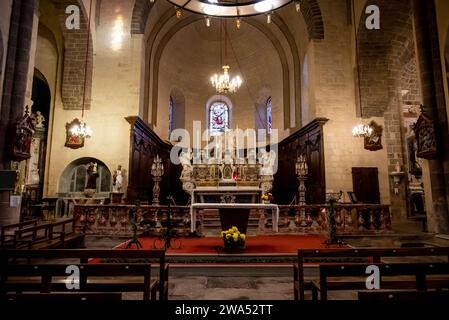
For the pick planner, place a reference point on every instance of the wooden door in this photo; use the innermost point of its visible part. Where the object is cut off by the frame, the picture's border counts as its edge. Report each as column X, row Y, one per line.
column 365, row 182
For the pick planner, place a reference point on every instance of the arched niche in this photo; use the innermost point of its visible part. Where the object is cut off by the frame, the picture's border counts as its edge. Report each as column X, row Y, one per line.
column 179, row 108
column 74, row 178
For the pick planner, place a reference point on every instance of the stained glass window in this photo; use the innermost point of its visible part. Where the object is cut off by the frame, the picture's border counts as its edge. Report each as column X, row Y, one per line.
column 269, row 118
column 218, row 117
column 170, row 116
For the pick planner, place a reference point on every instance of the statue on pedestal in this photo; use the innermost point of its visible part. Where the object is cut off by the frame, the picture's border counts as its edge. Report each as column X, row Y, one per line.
column 92, row 175
column 187, row 171
column 267, row 161
column 117, row 180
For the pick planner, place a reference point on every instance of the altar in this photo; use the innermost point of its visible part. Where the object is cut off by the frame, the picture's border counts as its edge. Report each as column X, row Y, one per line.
column 228, row 181
column 226, row 194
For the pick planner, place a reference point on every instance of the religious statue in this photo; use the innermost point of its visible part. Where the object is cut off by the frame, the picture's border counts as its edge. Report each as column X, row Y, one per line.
column 38, row 120
column 185, row 160
column 92, row 175
column 267, row 161
column 117, row 180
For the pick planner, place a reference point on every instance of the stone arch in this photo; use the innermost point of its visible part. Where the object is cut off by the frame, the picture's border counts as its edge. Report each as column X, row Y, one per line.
column 152, row 74
column 382, row 55
column 140, row 15
column 312, row 15
column 75, row 48
column 65, row 186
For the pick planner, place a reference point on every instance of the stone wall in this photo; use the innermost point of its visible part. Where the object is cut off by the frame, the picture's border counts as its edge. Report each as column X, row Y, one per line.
column 115, row 95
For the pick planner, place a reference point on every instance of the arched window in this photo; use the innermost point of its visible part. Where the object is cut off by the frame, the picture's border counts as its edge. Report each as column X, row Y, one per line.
column 218, row 117
column 269, row 118
column 170, row 116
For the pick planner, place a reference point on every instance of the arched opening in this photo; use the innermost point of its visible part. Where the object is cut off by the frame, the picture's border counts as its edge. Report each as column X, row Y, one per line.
column 40, row 110
column 74, row 178
column 41, row 95
column 176, row 110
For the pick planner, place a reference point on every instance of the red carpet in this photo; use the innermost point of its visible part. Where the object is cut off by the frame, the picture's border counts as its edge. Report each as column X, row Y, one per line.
column 278, row 244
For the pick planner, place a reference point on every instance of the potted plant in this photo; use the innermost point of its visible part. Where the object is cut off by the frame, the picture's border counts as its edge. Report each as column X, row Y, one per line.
column 233, row 239
column 266, row 198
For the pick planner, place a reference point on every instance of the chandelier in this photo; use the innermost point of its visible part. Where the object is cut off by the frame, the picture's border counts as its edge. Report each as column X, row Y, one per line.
column 81, row 130
column 231, row 8
column 362, row 131
column 223, row 82
column 78, row 129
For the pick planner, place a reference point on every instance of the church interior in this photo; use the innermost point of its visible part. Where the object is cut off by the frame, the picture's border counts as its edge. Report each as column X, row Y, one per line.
column 224, row 149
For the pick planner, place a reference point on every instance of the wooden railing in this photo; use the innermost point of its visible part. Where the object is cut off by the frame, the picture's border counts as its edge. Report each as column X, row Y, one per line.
column 115, row 220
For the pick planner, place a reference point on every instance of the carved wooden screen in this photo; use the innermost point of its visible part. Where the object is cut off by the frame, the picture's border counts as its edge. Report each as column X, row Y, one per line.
column 145, row 145
column 307, row 141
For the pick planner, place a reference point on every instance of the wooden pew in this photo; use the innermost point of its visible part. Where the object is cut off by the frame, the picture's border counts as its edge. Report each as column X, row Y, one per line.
column 62, row 297
column 83, row 256
column 69, row 236
column 47, row 236
column 353, row 276
column 374, row 254
column 7, row 232
column 37, row 237
column 93, row 278
column 422, row 296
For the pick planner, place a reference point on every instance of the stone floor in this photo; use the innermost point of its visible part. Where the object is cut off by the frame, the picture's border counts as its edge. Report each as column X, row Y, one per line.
column 243, row 285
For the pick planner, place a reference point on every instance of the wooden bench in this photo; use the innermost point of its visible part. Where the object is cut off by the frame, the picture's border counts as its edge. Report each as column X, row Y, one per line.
column 353, row 277
column 7, row 232
column 62, row 297
column 373, row 254
column 83, row 256
column 47, row 236
column 93, row 278
column 69, row 237
column 37, row 237
column 383, row 296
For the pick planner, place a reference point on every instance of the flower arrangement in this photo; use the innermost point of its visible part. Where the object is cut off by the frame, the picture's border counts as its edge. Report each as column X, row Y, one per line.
column 267, row 197
column 233, row 237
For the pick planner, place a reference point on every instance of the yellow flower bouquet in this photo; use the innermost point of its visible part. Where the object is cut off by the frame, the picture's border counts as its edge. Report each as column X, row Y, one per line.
column 233, row 238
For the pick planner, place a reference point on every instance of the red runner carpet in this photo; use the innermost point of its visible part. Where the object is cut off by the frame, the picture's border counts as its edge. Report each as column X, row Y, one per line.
column 278, row 244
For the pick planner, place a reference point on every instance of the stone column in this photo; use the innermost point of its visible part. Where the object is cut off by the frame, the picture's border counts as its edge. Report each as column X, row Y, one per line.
column 429, row 62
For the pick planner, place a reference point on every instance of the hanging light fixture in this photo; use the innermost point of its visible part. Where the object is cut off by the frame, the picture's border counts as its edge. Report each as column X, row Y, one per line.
column 361, row 130
column 268, row 18
column 78, row 129
column 232, row 8
column 207, row 19
column 223, row 83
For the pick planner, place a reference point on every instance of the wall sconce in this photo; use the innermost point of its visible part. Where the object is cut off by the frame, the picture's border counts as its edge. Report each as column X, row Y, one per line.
column 397, row 178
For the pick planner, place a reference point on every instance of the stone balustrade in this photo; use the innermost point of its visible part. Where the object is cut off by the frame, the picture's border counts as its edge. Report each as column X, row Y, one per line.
column 115, row 220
